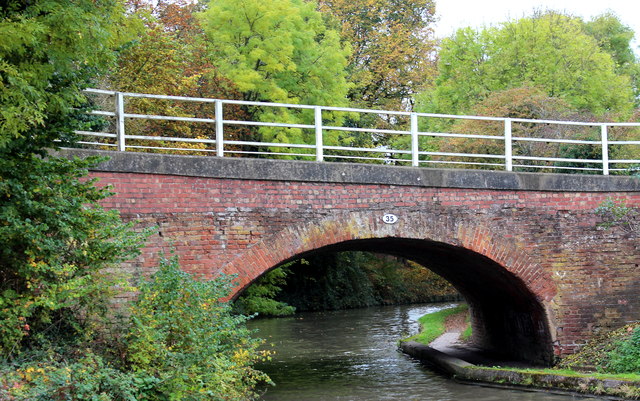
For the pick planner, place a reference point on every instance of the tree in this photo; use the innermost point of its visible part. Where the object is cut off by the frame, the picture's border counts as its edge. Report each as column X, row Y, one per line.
column 615, row 38
column 60, row 248
column 49, row 52
column 550, row 51
column 392, row 44
column 523, row 103
column 278, row 51
column 462, row 75
column 393, row 58
column 172, row 57
column 57, row 244
column 57, row 240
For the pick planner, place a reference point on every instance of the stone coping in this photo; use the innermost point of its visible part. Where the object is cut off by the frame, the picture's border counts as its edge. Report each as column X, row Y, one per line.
column 327, row 172
column 458, row 369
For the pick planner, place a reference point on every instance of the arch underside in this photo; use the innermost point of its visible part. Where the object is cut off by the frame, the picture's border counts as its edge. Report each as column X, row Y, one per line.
column 508, row 320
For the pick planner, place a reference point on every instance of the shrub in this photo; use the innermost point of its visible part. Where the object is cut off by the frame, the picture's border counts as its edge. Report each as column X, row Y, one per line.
column 57, row 242
column 186, row 337
column 182, row 343
column 88, row 378
column 625, row 358
column 259, row 297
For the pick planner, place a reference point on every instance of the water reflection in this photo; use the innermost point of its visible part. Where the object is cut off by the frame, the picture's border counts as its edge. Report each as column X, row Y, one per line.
column 352, row 355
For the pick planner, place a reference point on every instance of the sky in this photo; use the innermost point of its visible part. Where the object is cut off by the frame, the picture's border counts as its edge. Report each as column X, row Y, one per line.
column 456, row 14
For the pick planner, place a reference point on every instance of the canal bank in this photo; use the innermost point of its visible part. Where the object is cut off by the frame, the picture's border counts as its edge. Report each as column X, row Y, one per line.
column 464, row 371
column 464, row 363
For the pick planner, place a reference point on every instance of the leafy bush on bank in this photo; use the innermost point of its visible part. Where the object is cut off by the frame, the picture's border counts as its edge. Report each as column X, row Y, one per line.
column 57, row 244
column 625, row 357
column 184, row 337
column 85, row 376
column 59, row 339
column 616, row 352
column 181, row 342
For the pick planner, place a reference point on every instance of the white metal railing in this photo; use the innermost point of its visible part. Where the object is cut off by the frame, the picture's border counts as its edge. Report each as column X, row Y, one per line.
column 398, row 124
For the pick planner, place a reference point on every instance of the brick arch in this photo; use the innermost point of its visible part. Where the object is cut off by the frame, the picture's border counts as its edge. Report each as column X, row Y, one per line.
column 294, row 241
column 509, row 293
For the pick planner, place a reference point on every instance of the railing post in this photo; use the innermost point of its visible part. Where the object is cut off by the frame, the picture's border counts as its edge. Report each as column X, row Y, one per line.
column 318, row 125
column 508, row 145
column 219, row 129
column 120, row 121
column 605, row 149
column 415, row 156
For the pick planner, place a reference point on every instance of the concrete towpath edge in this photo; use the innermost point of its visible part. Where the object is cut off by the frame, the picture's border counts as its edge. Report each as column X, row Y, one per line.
column 609, row 389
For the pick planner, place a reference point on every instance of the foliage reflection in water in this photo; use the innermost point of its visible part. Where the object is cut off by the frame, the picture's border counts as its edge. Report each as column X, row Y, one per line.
column 352, row 355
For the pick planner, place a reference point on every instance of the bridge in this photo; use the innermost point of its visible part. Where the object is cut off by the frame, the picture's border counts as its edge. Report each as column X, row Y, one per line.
column 524, row 249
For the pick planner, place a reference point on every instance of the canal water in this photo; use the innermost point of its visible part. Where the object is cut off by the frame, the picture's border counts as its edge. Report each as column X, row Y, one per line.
column 352, row 355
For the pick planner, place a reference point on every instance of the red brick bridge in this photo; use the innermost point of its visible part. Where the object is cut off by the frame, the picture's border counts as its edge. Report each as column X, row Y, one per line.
column 523, row 249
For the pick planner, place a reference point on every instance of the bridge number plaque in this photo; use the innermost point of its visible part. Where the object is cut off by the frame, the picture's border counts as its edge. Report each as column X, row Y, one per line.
column 390, row 218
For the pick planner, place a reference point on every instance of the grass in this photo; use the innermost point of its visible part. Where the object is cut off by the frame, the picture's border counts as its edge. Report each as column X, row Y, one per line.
column 570, row 373
column 466, row 334
column 596, row 354
column 433, row 324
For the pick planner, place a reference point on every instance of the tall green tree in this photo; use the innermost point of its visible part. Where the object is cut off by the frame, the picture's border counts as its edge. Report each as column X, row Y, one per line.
column 615, row 38
column 60, row 248
column 50, row 50
column 550, row 51
column 393, row 58
column 279, row 51
column 171, row 56
column 57, row 240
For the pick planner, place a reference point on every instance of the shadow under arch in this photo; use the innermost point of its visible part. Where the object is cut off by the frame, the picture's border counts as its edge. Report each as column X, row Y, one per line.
column 507, row 297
